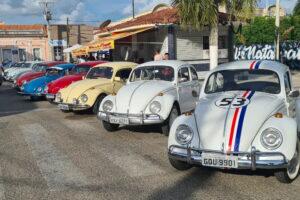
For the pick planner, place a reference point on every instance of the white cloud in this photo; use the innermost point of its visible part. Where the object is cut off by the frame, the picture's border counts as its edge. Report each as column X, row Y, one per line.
column 143, row 5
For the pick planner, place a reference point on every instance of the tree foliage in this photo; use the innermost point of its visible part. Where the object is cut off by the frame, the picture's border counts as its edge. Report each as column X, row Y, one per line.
column 297, row 8
column 262, row 30
column 200, row 13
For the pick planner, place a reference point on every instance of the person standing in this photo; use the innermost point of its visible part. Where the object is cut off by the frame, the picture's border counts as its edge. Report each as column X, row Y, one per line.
column 166, row 56
column 157, row 56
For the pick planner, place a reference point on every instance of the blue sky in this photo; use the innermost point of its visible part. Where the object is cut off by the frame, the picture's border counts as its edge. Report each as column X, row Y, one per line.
column 79, row 11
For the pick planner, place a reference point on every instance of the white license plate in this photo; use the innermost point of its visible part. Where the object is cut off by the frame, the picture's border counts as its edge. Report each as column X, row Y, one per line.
column 50, row 96
column 118, row 120
column 220, row 161
column 63, row 107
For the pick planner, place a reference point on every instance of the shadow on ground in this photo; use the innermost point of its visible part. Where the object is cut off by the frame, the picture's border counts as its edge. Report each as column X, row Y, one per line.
column 11, row 103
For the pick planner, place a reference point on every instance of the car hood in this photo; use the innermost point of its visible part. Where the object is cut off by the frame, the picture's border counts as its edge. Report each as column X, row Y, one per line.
column 233, row 129
column 31, row 75
column 62, row 82
column 38, row 82
column 76, row 89
column 134, row 97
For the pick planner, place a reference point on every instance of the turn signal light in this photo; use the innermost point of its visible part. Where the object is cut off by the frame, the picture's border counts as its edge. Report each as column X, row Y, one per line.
column 160, row 94
column 278, row 115
column 188, row 113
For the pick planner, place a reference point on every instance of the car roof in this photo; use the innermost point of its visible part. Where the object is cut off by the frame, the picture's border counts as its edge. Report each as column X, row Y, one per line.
column 261, row 64
column 92, row 63
column 118, row 65
column 172, row 63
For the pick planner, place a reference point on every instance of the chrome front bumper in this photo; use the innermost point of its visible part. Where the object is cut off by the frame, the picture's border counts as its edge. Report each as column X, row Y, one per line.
column 253, row 160
column 133, row 119
column 72, row 107
column 31, row 94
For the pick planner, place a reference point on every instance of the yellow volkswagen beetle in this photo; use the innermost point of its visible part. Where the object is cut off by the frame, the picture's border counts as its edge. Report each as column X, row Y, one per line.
column 100, row 81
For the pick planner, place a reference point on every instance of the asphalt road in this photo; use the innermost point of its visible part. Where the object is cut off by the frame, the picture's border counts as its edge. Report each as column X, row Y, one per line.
column 47, row 154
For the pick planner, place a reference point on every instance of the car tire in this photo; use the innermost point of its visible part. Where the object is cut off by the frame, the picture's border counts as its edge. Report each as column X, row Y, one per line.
column 97, row 103
column 165, row 129
column 291, row 173
column 179, row 165
column 51, row 101
column 34, row 98
column 110, row 127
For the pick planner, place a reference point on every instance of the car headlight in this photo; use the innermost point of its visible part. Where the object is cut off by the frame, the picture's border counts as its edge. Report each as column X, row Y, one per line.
column 107, row 106
column 155, row 107
column 39, row 89
column 84, row 98
column 271, row 138
column 184, row 134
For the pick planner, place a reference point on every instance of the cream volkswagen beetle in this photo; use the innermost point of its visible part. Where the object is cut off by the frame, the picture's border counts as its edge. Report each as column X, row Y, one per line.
column 101, row 80
column 156, row 93
column 247, row 118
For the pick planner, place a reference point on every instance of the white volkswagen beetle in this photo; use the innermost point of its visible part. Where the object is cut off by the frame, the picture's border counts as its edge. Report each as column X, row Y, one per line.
column 156, row 93
column 247, row 118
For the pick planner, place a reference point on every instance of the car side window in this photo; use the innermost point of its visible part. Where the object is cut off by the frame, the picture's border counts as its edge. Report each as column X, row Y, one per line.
column 194, row 74
column 287, row 83
column 183, row 75
column 123, row 73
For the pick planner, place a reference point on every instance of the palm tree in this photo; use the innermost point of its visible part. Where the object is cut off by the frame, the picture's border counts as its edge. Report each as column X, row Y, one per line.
column 296, row 10
column 200, row 13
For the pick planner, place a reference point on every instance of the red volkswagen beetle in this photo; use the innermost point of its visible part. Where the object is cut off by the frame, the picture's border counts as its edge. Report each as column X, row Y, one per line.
column 37, row 72
column 77, row 74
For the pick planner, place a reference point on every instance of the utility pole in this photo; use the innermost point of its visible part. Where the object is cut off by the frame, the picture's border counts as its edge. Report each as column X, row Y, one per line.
column 45, row 5
column 68, row 39
column 277, row 25
column 133, row 10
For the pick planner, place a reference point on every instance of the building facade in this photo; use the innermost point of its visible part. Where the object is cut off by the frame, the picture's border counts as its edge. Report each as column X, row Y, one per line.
column 159, row 29
column 23, row 43
column 63, row 36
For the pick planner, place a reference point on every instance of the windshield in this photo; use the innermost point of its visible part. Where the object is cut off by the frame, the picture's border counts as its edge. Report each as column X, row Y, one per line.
column 40, row 68
column 80, row 69
column 17, row 65
column 53, row 72
column 163, row 73
column 26, row 65
column 252, row 80
column 100, row 72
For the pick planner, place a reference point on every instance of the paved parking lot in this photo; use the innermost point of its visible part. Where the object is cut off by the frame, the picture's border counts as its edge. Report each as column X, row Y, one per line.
column 47, row 154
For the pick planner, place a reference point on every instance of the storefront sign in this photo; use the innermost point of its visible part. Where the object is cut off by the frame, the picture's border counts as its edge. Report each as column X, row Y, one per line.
column 289, row 53
column 104, row 45
column 58, row 43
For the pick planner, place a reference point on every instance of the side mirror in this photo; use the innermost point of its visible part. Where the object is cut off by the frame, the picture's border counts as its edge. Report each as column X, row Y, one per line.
column 294, row 93
column 181, row 80
column 118, row 79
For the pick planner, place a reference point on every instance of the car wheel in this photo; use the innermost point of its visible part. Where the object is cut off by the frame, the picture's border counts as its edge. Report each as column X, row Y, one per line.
column 179, row 165
column 168, row 123
column 292, row 172
column 34, row 98
column 110, row 127
column 50, row 101
column 97, row 103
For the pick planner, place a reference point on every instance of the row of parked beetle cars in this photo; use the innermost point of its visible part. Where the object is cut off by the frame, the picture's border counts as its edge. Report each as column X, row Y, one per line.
column 245, row 116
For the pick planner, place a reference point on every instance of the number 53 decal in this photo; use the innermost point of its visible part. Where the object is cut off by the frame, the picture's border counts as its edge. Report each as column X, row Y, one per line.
column 233, row 102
